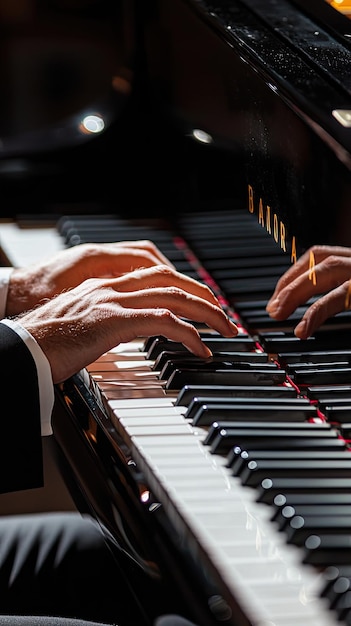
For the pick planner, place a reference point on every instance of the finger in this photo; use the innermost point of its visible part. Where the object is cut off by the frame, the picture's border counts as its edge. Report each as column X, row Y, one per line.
column 150, row 322
column 327, row 275
column 306, row 263
column 181, row 304
column 164, row 276
column 147, row 246
column 325, row 307
column 116, row 261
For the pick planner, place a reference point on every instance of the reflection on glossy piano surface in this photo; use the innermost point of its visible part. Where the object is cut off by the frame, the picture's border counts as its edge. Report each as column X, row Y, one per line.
column 230, row 478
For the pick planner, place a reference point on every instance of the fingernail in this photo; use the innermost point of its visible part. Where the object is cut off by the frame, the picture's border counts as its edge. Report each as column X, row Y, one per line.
column 273, row 307
column 233, row 327
column 301, row 330
column 206, row 351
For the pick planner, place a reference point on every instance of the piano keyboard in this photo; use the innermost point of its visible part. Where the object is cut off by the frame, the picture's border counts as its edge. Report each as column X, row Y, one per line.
column 254, row 475
column 260, row 577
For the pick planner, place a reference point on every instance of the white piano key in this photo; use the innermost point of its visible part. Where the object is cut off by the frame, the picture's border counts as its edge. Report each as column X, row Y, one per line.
column 136, row 345
column 255, row 536
column 154, row 429
column 145, row 421
column 117, row 365
column 125, row 376
column 156, row 413
column 143, row 403
column 131, row 355
column 24, row 246
column 133, row 392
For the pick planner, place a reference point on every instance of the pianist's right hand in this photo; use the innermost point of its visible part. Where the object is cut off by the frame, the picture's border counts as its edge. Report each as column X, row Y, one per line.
column 324, row 270
column 75, row 327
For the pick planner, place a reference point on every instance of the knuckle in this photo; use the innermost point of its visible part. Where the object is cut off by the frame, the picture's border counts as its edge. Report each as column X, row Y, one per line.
column 165, row 270
column 176, row 292
column 164, row 315
column 333, row 262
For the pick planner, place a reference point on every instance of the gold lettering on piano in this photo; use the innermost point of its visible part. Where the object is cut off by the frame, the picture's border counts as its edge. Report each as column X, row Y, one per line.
column 251, row 200
column 312, row 269
column 282, row 237
column 272, row 224
column 268, row 219
column 275, row 228
column 260, row 213
column 293, row 255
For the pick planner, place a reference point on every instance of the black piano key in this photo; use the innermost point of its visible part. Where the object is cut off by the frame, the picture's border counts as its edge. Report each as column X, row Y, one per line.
column 222, row 437
column 246, row 271
column 218, row 357
column 320, row 498
column 338, row 413
column 283, row 516
column 209, row 413
column 238, row 462
column 253, row 376
column 321, row 445
column 279, row 341
column 315, row 376
column 160, row 338
column 274, row 261
column 198, row 401
column 345, row 615
column 156, row 345
column 189, row 392
column 318, row 392
column 275, row 342
column 214, row 364
column 215, row 342
column 171, row 355
column 333, row 401
column 324, row 549
column 340, row 599
column 269, row 488
column 244, row 287
column 288, row 358
column 224, row 250
column 345, row 429
column 255, row 471
column 271, row 429
column 299, row 528
column 336, row 582
column 294, row 368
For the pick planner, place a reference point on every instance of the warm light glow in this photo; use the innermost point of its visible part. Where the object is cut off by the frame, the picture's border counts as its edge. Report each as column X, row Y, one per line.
column 343, row 6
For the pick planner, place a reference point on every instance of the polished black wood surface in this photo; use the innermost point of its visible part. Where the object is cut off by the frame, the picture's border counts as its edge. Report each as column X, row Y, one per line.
column 265, row 82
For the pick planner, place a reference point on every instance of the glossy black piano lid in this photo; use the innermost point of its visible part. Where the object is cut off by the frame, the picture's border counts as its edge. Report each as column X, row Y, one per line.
column 269, row 83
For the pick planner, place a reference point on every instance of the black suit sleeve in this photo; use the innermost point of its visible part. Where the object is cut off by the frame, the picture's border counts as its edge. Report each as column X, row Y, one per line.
column 21, row 460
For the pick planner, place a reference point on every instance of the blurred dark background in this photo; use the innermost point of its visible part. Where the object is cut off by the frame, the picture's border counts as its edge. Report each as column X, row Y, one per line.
column 61, row 60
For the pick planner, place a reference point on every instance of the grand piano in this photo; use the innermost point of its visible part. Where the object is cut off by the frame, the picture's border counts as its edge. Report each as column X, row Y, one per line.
column 228, row 482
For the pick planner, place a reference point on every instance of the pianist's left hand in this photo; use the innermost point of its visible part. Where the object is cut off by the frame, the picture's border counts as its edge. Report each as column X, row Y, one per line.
column 31, row 285
column 322, row 270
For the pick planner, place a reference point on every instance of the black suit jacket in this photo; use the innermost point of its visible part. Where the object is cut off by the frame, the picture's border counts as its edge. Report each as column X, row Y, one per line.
column 21, row 460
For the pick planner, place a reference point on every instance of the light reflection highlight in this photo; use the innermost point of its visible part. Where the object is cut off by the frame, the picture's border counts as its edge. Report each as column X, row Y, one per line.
column 92, row 124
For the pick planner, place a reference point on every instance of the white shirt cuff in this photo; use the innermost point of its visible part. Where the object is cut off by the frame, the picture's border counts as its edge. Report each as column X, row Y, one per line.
column 46, row 387
column 4, row 283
